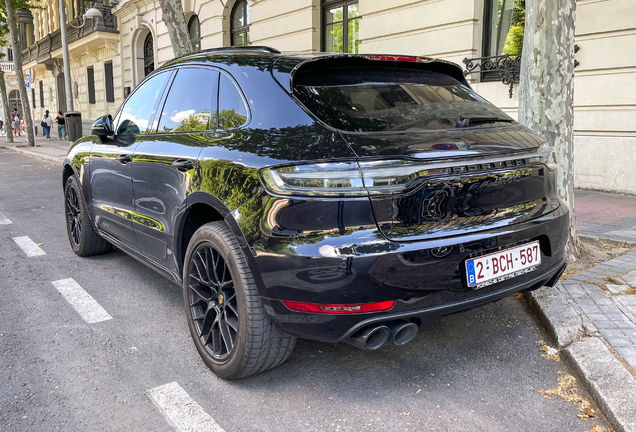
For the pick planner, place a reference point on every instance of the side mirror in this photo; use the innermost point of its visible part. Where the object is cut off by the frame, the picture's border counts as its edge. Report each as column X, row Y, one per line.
column 103, row 127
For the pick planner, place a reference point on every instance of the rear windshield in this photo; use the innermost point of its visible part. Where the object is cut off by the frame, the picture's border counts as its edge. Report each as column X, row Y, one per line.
column 370, row 100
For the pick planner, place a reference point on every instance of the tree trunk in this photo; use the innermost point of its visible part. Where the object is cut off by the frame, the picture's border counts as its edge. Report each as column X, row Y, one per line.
column 174, row 18
column 546, row 91
column 17, row 63
column 7, row 110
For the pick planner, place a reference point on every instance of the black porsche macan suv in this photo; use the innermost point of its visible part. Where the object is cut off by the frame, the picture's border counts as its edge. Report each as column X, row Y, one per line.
column 335, row 197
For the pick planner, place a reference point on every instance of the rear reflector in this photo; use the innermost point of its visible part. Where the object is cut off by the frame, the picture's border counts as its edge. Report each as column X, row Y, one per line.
column 338, row 308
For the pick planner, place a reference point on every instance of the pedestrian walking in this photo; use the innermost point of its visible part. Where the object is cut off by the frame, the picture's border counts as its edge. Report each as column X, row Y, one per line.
column 1, row 127
column 16, row 123
column 61, row 125
column 46, row 125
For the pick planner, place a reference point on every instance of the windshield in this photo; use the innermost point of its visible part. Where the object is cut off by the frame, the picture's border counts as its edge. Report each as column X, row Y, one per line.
column 364, row 100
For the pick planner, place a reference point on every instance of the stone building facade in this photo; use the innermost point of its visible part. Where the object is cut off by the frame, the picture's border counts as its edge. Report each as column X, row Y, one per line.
column 110, row 57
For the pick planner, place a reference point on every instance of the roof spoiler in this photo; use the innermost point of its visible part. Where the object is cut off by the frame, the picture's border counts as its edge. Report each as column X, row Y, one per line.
column 285, row 68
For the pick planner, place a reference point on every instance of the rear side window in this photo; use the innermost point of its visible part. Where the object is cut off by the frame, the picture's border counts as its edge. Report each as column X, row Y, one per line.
column 190, row 103
column 381, row 99
column 232, row 109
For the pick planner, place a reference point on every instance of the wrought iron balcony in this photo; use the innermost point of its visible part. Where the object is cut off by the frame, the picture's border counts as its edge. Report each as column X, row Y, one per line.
column 40, row 51
column 508, row 66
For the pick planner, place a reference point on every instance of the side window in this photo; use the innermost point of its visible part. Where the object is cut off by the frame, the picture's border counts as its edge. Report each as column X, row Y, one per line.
column 134, row 117
column 232, row 109
column 189, row 105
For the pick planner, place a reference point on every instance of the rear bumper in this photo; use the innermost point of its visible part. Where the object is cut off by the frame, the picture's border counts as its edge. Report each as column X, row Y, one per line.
column 426, row 279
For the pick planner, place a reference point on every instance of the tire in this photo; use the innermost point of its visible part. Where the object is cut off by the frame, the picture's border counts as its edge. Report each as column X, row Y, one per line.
column 250, row 343
column 84, row 240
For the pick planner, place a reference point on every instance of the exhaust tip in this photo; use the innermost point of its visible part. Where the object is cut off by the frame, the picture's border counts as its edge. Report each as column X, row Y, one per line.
column 404, row 334
column 377, row 337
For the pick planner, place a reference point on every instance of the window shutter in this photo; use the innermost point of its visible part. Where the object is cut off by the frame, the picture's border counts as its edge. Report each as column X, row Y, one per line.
column 91, row 85
column 110, row 87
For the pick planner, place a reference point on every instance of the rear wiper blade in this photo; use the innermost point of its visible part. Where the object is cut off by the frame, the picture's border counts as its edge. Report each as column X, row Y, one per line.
column 467, row 121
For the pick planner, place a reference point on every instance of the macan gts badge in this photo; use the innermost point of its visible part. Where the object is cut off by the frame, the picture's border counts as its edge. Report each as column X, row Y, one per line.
column 336, row 197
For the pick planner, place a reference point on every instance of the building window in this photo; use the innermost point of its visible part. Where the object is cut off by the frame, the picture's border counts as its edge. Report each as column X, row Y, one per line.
column 341, row 22
column 10, row 54
column 240, row 23
column 91, row 84
column 110, row 85
column 41, row 95
column 503, row 27
column 194, row 29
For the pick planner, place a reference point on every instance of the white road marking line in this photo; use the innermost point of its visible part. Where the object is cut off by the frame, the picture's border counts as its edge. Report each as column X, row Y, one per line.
column 28, row 246
column 81, row 301
column 180, row 410
column 4, row 220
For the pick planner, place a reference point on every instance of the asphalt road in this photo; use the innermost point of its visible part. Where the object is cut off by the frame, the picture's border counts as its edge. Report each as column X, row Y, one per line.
column 475, row 371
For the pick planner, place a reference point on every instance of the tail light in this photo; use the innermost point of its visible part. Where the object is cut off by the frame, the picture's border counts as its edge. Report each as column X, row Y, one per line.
column 382, row 177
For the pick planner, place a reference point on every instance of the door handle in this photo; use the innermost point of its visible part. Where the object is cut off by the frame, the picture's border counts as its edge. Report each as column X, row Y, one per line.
column 183, row 165
column 124, row 159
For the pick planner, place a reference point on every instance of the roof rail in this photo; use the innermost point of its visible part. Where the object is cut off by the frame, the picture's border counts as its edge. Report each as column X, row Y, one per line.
column 231, row 48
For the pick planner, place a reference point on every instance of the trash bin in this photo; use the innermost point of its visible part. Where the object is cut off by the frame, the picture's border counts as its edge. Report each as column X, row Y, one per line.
column 73, row 125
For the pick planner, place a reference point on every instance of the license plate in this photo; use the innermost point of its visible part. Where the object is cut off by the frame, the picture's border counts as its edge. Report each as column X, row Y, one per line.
column 499, row 266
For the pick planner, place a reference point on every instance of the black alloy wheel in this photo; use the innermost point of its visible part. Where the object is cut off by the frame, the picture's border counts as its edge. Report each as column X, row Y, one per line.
column 213, row 304
column 84, row 239
column 73, row 217
column 229, row 326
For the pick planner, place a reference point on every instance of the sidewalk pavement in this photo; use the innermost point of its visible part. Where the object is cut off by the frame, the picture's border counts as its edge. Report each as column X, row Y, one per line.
column 53, row 150
column 591, row 316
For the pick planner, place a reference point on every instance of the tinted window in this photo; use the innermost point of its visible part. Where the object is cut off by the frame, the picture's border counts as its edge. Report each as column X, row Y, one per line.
column 190, row 101
column 135, row 116
column 232, row 109
column 389, row 100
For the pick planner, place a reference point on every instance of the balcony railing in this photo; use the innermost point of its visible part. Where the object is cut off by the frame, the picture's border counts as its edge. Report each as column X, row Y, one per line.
column 6, row 67
column 41, row 50
column 508, row 66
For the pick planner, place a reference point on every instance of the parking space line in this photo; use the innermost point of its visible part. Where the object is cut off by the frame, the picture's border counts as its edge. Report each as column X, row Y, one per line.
column 4, row 220
column 28, row 246
column 180, row 410
column 81, row 301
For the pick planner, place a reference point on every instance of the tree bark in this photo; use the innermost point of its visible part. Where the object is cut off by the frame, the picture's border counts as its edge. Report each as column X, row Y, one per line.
column 546, row 91
column 5, row 106
column 174, row 18
column 17, row 63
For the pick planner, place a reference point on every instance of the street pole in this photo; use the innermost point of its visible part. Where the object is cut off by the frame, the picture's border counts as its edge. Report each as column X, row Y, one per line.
column 65, row 59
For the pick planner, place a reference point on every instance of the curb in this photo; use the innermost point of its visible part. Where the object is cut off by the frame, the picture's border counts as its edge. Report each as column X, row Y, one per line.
column 35, row 154
column 609, row 383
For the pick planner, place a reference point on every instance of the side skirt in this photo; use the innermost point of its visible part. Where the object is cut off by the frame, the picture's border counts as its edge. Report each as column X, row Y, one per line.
column 163, row 271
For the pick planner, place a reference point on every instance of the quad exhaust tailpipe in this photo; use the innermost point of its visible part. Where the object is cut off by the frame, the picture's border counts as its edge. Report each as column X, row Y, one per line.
column 373, row 337
column 370, row 338
column 402, row 332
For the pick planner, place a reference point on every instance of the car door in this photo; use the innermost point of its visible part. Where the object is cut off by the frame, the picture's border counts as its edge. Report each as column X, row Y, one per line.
column 164, row 163
column 110, row 161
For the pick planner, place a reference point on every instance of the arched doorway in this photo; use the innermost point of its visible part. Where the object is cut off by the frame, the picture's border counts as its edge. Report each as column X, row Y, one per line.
column 149, row 55
column 143, row 51
column 14, row 101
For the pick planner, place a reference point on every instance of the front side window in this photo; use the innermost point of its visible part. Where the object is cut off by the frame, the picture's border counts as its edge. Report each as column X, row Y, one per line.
column 240, row 23
column 134, row 117
column 341, row 23
column 190, row 111
column 503, row 26
column 232, row 109
column 194, row 30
